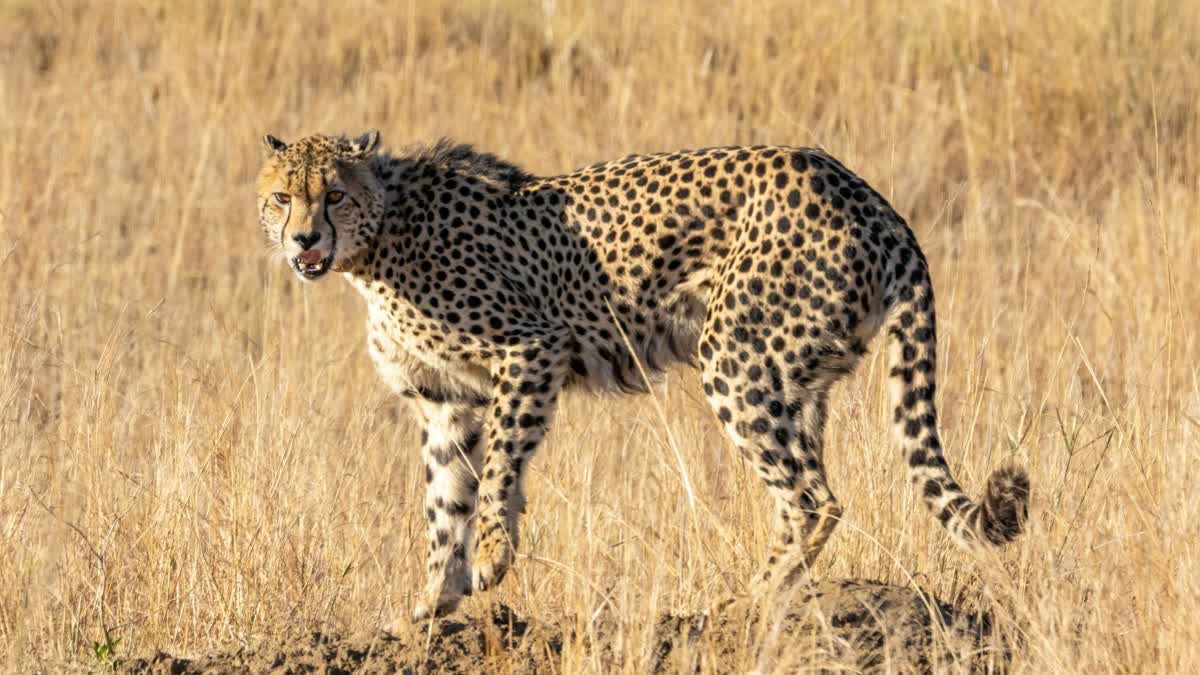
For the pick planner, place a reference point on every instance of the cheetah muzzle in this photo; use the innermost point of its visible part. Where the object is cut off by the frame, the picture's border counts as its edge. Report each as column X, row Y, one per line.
column 489, row 291
column 311, row 264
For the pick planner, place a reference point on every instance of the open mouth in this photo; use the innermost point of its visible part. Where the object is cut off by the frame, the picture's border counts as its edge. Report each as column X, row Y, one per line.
column 311, row 264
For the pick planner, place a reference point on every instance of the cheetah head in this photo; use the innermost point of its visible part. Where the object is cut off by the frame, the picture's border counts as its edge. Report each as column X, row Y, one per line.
column 320, row 200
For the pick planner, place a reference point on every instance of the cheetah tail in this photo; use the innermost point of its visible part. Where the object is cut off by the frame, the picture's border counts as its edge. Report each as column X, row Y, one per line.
column 912, row 360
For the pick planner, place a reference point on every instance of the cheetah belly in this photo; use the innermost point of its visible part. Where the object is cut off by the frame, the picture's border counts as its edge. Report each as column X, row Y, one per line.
column 646, row 343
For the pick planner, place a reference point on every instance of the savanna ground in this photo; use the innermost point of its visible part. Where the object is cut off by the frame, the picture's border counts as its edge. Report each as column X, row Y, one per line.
column 196, row 456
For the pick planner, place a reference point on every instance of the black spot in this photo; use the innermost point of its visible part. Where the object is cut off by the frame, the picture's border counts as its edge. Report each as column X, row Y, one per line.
column 912, row 428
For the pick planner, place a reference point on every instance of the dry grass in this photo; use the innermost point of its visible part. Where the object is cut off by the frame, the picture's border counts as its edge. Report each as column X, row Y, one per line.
column 194, row 451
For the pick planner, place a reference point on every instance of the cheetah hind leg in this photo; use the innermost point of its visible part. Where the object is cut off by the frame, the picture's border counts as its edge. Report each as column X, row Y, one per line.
column 807, row 512
column 779, row 430
column 803, row 527
column 791, row 557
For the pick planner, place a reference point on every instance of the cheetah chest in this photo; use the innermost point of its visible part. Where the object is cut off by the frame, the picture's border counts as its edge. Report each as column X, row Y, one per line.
column 416, row 355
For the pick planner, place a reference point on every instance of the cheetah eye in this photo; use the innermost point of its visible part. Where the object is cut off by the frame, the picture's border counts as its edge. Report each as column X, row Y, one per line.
column 282, row 198
column 334, row 196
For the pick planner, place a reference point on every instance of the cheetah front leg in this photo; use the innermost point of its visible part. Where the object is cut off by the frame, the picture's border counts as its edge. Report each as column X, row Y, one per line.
column 452, row 451
column 526, row 386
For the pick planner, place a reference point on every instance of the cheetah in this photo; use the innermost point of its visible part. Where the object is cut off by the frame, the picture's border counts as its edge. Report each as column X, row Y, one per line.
column 490, row 290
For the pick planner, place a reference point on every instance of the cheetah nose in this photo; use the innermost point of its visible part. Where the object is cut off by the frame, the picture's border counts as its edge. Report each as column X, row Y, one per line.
column 310, row 257
column 306, row 239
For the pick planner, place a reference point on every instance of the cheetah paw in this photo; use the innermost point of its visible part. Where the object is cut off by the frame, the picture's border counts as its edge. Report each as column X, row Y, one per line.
column 493, row 557
column 427, row 611
column 441, row 599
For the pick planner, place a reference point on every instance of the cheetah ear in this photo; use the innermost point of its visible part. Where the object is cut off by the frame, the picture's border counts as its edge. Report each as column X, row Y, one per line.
column 362, row 147
column 274, row 144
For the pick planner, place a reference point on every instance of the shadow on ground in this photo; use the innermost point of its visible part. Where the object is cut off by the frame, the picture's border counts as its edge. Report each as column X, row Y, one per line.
column 861, row 626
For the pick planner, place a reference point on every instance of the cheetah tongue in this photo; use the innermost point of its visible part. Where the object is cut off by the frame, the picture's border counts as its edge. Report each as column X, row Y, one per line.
column 310, row 257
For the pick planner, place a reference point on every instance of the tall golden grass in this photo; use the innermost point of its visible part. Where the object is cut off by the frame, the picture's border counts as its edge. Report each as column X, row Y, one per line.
column 194, row 451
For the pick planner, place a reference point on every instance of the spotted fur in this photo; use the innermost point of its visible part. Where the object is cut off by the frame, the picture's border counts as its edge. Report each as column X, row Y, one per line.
column 489, row 291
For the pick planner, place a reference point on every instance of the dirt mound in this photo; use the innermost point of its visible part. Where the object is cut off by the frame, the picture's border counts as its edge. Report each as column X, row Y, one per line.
column 473, row 643
column 860, row 625
column 855, row 625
